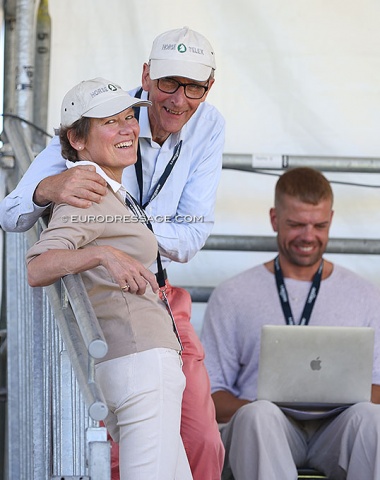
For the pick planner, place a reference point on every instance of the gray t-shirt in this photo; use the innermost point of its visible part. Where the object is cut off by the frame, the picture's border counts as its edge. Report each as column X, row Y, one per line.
column 240, row 306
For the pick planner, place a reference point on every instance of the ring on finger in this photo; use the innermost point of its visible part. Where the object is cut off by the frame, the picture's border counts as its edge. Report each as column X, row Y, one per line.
column 126, row 287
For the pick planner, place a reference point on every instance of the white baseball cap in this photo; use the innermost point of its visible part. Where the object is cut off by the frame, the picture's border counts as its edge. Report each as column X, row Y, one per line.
column 181, row 53
column 96, row 98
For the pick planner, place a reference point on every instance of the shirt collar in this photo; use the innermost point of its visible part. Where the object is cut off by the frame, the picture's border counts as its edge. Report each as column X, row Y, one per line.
column 116, row 186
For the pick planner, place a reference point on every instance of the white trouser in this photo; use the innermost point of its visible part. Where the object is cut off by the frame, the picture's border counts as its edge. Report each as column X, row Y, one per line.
column 143, row 392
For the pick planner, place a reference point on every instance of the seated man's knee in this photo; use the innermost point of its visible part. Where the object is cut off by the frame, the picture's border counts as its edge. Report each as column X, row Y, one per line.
column 257, row 412
column 367, row 413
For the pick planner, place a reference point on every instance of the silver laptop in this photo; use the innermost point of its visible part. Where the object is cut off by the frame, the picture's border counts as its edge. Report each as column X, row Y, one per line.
column 315, row 367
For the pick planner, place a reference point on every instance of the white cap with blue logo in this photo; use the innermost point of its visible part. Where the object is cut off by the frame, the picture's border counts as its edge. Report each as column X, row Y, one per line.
column 181, row 53
column 96, row 98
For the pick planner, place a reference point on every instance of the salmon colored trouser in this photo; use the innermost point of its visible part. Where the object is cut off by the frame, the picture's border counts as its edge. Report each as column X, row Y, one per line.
column 199, row 429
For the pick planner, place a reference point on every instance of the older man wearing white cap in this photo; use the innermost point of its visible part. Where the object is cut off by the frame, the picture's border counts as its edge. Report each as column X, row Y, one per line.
column 175, row 180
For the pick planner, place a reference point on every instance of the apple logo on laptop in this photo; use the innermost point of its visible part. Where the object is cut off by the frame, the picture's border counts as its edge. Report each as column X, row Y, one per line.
column 316, row 364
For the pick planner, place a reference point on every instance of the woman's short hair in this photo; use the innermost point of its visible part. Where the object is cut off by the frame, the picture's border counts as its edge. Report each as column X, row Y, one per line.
column 81, row 129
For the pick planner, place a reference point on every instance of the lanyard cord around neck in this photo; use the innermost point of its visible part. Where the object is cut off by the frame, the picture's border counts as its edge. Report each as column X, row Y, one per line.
column 284, row 297
column 138, row 164
column 140, row 214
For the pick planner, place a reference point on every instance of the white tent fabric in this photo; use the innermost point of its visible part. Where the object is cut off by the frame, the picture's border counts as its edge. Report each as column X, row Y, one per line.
column 293, row 77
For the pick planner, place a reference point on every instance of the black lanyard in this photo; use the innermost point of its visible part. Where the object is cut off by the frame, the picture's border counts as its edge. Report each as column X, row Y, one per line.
column 137, row 211
column 143, row 218
column 140, row 213
column 284, row 297
column 138, row 164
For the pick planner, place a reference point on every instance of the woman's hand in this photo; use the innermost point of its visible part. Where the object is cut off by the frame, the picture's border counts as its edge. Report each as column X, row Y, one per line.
column 126, row 271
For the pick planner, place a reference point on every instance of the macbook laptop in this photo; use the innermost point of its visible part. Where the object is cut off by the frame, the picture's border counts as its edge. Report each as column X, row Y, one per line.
column 315, row 366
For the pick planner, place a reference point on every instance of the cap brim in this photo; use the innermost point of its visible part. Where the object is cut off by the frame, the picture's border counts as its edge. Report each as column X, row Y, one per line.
column 113, row 106
column 175, row 68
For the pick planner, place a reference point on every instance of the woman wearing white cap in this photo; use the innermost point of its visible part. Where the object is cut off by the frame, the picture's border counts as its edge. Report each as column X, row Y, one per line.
column 141, row 375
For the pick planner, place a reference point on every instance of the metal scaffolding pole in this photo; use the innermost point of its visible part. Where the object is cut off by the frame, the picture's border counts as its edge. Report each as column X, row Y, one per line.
column 10, row 42
column 252, row 162
column 41, row 76
column 25, row 21
column 247, row 243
